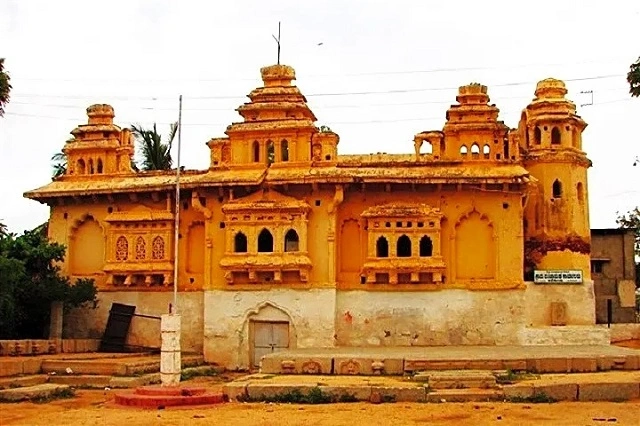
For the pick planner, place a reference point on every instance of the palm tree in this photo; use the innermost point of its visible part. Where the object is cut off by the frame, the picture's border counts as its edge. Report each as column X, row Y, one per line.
column 5, row 87
column 3, row 230
column 156, row 155
column 59, row 160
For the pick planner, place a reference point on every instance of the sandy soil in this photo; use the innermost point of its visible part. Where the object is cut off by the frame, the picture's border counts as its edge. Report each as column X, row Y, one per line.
column 96, row 408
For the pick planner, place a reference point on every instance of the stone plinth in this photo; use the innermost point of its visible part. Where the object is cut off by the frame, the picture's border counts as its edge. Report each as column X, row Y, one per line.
column 170, row 362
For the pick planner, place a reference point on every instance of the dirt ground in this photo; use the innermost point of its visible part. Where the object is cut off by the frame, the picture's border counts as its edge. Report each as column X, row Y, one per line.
column 95, row 407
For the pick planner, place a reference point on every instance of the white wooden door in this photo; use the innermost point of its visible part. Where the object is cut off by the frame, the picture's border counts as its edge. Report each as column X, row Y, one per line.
column 268, row 337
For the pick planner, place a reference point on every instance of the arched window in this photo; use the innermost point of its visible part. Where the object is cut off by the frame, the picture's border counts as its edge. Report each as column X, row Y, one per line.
column 291, row 241
column 580, row 192
column 426, row 148
column 99, row 166
column 382, row 247
column 463, row 150
column 240, row 243
column 81, row 167
column 403, row 247
column 505, row 145
column 284, row 150
column 141, row 248
column 537, row 136
column 555, row 136
column 486, row 151
column 122, row 248
column 256, row 151
column 271, row 152
column 157, row 247
column 426, row 247
column 475, row 150
column 557, row 189
column 91, row 166
column 265, row 241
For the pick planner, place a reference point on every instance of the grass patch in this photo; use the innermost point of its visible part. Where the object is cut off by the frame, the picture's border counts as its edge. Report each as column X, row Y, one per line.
column 536, row 398
column 511, row 377
column 296, row 396
column 197, row 372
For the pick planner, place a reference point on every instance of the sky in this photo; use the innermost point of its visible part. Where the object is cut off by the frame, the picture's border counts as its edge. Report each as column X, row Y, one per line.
column 376, row 72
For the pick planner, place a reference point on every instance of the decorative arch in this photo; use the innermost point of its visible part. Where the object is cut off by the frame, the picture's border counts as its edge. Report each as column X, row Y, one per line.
column 157, row 248
column 556, row 138
column 271, row 152
column 99, row 166
column 382, row 247
column 240, row 244
column 91, row 169
column 403, row 246
column 265, row 241
column 122, row 248
column 486, row 151
column 475, row 150
column 81, row 167
column 141, row 248
column 255, row 148
column 284, row 150
column 475, row 250
column 291, row 241
column 556, row 189
column 537, row 135
column 464, row 150
column 426, row 246
column 86, row 247
column 426, row 148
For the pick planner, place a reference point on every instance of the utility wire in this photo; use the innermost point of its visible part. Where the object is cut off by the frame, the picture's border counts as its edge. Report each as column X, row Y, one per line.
column 381, row 92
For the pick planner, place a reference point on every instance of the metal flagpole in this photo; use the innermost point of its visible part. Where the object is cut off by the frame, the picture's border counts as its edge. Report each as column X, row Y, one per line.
column 177, row 224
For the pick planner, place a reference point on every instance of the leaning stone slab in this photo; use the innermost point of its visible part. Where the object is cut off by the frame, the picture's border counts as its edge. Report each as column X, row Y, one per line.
column 608, row 391
column 457, row 379
column 45, row 390
column 235, row 391
column 519, row 391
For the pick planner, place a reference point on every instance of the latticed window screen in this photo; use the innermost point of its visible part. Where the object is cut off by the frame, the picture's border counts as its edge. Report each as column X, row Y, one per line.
column 158, row 248
column 122, row 248
column 141, row 248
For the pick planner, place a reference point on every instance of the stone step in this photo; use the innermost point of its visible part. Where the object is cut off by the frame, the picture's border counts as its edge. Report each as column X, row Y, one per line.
column 112, row 367
column 42, row 391
column 159, row 397
column 94, row 381
column 457, row 379
column 22, row 381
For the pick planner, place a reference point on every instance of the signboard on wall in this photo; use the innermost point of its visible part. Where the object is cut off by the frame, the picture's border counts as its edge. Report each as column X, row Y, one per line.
column 557, row 277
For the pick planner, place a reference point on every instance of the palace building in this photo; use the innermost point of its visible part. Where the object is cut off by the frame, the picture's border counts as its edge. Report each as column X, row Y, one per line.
column 284, row 243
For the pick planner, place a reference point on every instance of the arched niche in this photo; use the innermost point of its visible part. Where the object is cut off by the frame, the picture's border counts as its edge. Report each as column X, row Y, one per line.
column 475, row 247
column 86, row 247
column 195, row 248
column 349, row 258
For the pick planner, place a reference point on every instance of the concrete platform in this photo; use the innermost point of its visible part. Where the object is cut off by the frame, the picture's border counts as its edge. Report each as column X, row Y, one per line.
column 411, row 359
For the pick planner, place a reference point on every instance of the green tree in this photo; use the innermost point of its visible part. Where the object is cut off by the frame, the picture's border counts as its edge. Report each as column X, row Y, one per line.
column 3, row 230
column 30, row 281
column 59, row 163
column 154, row 153
column 5, row 87
column 633, row 77
column 631, row 220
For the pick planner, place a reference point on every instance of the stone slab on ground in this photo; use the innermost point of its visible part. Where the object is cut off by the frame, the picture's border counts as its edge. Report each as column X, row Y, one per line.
column 117, row 366
column 608, row 391
column 45, row 390
column 10, row 366
column 559, row 391
column 22, row 381
column 457, row 379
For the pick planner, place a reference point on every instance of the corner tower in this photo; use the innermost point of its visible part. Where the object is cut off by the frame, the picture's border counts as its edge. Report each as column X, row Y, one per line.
column 99, row 147
column 556, row 222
